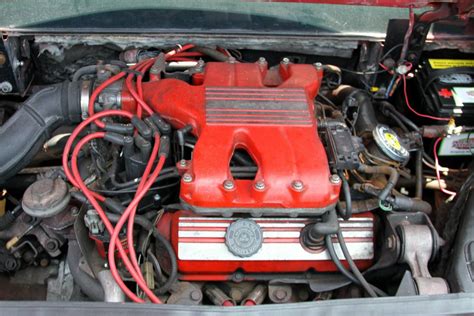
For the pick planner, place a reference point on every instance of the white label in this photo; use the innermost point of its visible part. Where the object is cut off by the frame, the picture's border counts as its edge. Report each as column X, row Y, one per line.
column 463, row 95
column 457, row 145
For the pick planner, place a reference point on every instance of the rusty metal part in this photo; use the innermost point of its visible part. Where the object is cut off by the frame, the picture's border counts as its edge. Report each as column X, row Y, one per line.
column 185, row 293
column 46, row 198
column 418, row 246
column 280, row 293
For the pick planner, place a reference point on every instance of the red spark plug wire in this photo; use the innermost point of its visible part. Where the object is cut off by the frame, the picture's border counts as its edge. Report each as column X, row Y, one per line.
column 147, row 181
column 77, row 131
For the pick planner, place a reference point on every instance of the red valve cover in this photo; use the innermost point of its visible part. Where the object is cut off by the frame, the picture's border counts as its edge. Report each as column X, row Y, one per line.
column 269, row 113
column 204, row 255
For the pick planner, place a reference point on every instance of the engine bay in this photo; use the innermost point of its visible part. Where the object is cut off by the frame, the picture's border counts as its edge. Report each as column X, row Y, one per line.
column 201, row 175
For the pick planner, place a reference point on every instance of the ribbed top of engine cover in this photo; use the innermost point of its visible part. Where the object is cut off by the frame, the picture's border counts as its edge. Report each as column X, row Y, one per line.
column 270, row 114
column 251, row 106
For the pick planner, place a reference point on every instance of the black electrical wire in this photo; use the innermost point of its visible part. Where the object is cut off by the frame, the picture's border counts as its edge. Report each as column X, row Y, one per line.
column 325, row 99
column 156, row 265
column 130, row 191
column 353, row 266
column 347, row 211
column 391, row 50
column 132, row 184
column 363, row 73
column 345, row 272
column 9, row 217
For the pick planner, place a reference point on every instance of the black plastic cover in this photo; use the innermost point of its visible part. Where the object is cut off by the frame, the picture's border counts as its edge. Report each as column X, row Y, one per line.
column 340, row 146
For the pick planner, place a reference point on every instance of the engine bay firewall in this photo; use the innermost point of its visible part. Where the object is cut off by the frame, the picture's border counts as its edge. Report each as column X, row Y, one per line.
column 269, row 113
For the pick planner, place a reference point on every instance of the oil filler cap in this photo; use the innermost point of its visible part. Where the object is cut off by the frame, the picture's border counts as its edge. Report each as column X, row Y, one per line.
column 389, row 143
column 244, row 238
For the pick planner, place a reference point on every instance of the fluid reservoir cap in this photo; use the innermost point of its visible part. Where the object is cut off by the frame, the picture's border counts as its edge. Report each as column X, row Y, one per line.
column 389, row 143
column 244, row 238
column 46, row 198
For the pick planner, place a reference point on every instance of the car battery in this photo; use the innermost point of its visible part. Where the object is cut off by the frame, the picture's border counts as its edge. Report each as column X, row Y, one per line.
column 446, row 88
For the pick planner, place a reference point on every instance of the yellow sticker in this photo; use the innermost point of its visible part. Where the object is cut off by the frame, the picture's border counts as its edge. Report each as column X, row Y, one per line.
column 392, row 141
column 450, row 63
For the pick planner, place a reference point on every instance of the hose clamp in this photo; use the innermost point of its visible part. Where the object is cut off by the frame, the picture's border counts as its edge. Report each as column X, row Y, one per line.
column 85, row 96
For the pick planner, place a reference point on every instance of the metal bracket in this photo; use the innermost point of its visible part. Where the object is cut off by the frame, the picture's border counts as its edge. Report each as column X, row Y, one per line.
column 418, row 246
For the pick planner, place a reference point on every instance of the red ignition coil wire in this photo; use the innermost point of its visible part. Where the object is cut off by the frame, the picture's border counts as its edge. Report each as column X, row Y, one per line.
column 77, row 181
column 102, row 215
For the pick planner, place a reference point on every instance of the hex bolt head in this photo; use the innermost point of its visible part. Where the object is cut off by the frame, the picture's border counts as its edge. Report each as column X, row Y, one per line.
column 297, row 185
column 183, row 163
column 262, row 60
column 280, row 294
column 196, row 295
column 187, row 178
column 318, row 66
column 259, row 185
column 51, row 245
column 335, row 179
column 285, row 61
column 229, row 185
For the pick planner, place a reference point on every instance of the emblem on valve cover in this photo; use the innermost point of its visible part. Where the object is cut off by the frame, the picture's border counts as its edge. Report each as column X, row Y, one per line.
column 244, row 238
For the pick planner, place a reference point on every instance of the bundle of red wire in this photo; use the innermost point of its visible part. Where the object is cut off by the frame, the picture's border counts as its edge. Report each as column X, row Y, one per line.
column 149, row 176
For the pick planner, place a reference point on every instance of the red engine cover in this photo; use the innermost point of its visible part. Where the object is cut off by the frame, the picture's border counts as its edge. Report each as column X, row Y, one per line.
column 270, row 114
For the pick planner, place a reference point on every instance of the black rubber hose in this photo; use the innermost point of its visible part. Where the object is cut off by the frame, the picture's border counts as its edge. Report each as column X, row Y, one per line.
column 23, row 135
column 88, row 285
column 9, row 217
column 398, row 121
column 147, row 225
column 84, row 71
column 388, row 107
column 211, row 52
column 391, row 182
column 366, row 120
column 343, row 270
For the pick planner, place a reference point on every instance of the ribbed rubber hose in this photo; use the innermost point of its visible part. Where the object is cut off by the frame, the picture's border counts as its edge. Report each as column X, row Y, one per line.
column 23, row 135
column 88, row 285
